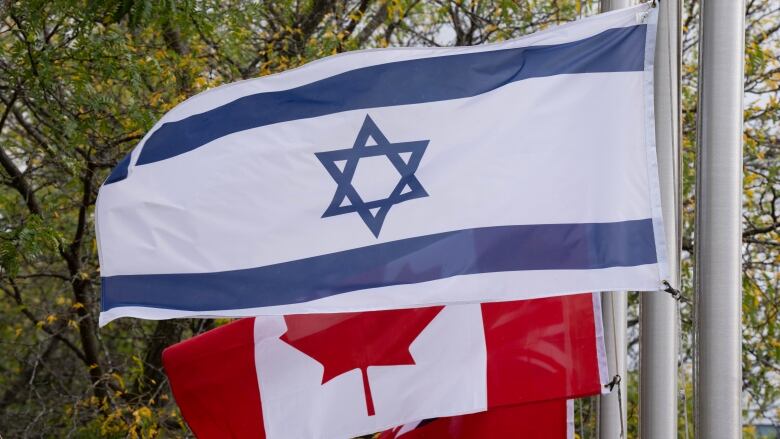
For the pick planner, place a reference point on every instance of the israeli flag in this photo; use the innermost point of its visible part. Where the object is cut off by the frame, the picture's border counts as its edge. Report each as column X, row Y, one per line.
column 397, row 178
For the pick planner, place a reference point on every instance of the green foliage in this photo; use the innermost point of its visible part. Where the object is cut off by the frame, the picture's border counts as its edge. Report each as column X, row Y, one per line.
column 81, row 81
column 26, row 243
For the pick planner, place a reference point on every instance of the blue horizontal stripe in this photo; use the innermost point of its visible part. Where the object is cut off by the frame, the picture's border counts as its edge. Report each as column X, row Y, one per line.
column 400, row 83
column 120, row 171
column 407, row 261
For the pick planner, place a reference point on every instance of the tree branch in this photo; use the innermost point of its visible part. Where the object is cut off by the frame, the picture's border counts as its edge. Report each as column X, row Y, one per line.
column 18, row 181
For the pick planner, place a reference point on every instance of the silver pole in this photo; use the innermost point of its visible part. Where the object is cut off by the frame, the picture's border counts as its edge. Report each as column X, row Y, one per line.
column 611, row 5
column 718, row 221
column 658, row 314
column 612, row 412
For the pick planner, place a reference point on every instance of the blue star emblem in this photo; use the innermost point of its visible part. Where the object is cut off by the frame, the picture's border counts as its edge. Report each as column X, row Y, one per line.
column 408, row 187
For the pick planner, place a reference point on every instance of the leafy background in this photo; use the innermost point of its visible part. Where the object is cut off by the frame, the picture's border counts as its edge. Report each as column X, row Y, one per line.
column 81, row 81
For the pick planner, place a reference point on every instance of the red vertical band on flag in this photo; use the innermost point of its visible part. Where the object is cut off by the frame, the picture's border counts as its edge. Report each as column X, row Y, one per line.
column 540, row 349
column 214, row 382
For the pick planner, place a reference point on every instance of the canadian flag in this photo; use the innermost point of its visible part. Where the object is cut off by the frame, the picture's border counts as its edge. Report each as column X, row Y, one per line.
column 347, row 374
column 539, row 420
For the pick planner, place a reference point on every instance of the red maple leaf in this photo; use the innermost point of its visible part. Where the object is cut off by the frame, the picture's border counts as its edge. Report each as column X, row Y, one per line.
column 346, row 341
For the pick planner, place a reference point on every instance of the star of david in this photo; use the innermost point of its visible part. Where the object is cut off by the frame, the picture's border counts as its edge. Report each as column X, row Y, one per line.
column 373, row 213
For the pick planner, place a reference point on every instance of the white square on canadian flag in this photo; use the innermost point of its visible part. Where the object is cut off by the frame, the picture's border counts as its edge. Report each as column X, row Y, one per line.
column 290, row 381
column 338, row 375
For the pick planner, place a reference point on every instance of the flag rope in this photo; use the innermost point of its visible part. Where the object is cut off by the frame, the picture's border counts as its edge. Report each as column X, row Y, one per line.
column 675, row 293
column 616, row 379
column 681, row 356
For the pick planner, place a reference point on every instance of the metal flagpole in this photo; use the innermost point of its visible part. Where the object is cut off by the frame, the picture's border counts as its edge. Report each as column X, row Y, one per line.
column 718, row 221
column 611, row 5
column 612, row 412
column 658, row 312
column 613, row 406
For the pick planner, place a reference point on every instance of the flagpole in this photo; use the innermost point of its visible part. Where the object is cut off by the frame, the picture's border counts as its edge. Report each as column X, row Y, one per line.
column 658, row 314
column 718, row 221
column 613, row 406
column 612, row 412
